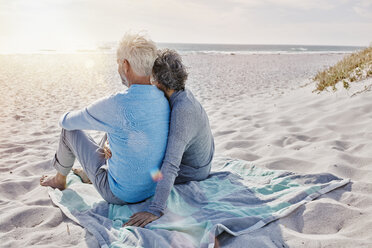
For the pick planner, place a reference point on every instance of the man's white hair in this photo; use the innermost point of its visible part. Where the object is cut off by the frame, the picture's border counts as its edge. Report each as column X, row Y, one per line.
column 139, row 50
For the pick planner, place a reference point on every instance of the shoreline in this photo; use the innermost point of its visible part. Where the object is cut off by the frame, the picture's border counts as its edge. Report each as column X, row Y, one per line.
column 52, row 52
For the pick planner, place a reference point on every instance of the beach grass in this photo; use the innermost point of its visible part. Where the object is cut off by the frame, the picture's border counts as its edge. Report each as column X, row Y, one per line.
column 352, row 68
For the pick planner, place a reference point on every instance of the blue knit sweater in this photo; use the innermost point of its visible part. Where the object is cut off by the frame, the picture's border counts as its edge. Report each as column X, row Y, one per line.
column 137, row 123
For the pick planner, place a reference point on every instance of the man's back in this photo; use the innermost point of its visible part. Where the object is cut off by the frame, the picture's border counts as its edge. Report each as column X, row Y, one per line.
column 137, row 124
column 141, row 143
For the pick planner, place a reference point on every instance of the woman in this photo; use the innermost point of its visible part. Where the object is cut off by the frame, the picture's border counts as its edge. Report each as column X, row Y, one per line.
column 190, row 145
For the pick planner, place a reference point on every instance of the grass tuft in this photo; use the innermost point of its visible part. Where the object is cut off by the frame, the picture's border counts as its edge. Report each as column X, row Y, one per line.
column 352, row 68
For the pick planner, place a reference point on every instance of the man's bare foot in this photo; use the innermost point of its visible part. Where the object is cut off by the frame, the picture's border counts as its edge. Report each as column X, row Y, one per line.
column 58, row 181
column 81, row 173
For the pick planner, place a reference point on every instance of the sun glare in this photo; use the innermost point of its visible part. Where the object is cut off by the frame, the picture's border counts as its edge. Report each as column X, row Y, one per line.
column 89, row 63
column 34, row 26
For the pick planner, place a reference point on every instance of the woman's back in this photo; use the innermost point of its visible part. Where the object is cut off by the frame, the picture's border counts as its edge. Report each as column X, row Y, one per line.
column 195, row 131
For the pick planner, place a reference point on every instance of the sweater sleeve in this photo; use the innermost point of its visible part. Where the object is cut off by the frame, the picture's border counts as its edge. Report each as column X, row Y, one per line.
column 97, row 116
column 180, row 134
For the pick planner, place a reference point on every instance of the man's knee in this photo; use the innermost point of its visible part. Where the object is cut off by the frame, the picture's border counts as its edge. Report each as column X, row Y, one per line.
column 68, row 134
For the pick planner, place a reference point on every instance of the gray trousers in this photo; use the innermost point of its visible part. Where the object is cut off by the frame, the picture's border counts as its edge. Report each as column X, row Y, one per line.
column 78, row 144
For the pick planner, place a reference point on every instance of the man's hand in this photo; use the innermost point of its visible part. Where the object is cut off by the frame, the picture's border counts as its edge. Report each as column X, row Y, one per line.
column 141, row 219
column 106, row 150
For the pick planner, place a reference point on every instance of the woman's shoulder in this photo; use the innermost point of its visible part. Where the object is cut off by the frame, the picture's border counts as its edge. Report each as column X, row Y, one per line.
column 185, row 101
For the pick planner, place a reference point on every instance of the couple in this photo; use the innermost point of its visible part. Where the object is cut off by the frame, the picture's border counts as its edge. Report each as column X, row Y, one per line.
column 155, row 125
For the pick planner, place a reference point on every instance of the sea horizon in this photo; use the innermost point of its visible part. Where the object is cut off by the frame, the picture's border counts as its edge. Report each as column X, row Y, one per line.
column 209, row 48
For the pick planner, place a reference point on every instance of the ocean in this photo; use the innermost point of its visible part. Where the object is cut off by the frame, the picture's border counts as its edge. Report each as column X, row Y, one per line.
column 256, row 49
column 185, row 48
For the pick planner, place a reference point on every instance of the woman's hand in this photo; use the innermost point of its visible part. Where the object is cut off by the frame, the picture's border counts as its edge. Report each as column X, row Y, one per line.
column 141, row 219
column 106, row 150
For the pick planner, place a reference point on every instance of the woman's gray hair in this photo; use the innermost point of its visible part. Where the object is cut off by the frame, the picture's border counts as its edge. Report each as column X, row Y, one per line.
column 169, row 71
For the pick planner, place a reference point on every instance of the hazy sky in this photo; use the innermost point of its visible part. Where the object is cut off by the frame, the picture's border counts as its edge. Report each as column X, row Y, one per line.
column 33, row 24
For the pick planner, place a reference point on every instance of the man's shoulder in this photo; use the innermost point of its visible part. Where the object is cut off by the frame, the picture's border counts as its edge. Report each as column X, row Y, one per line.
column 114, row 96
column 122, row 97
column 130, row 100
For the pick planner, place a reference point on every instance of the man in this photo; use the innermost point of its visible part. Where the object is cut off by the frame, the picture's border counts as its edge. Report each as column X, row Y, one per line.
column 136, row 123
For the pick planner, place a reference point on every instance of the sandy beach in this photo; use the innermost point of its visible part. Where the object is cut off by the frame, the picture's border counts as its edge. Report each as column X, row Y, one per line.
column 261, row 109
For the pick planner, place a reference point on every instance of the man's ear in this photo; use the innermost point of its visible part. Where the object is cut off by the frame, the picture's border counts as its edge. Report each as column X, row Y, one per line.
column 126, row 66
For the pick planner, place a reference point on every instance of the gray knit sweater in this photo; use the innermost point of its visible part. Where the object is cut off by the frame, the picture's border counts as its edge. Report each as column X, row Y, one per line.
column 190, row 147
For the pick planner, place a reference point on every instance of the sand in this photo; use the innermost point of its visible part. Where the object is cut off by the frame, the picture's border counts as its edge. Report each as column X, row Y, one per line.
column 261, row 108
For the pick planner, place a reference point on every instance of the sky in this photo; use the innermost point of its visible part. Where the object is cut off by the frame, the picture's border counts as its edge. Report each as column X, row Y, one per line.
column 65, row 24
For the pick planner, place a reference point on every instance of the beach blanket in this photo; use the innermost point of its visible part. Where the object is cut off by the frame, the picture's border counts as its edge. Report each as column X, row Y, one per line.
column 237, row 197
